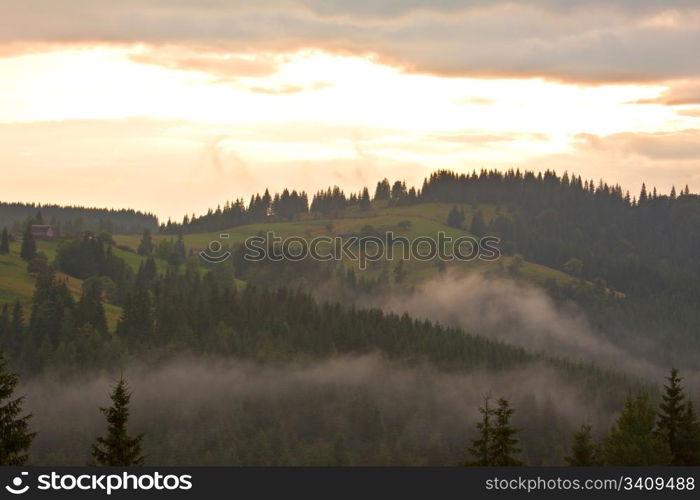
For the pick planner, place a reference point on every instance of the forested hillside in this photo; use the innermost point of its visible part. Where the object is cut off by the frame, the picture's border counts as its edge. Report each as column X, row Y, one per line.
column 74, row 219
column 643, row 248
column 326, row 360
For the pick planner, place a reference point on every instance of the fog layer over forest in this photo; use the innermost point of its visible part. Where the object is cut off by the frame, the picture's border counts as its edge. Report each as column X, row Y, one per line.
column 524, row 315
column 361, row 410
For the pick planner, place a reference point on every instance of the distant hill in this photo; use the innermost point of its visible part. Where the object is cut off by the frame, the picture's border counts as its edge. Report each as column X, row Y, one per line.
column 74, row 219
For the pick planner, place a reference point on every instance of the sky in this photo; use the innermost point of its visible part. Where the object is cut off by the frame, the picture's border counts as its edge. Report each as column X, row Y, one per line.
column 175, row 106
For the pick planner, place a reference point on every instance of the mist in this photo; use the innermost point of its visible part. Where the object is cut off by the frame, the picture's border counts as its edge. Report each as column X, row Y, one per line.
column 344, row 411
column 519, row 314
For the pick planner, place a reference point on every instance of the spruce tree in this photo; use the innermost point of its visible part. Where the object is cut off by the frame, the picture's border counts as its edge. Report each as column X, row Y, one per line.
column 478, row 225
column 643, row 196
column 633, row 440
column 364, row 200
column 481, row 447
column 146, row 246
column 505, row 446
column 28, row 250
column 455, row 218
column 671, row 412
column 147, row 272
column 90, row 309
column 383, row 190
column 117, row 448
column 678, row 424
column 179, row 255
column 4, row 242
column 497, row 444
column 689, row 435
column 11, row 328
column 15, row 438
column 584, row 451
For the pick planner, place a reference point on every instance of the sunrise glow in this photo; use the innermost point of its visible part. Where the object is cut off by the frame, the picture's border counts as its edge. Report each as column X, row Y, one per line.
column 309, row 117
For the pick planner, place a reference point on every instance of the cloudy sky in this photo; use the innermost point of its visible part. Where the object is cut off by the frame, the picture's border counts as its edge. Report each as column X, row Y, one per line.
column 174, row 106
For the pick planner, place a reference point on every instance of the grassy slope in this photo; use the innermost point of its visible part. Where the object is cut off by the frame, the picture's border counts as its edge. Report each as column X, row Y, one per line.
column 426, row 220
column 17, row 283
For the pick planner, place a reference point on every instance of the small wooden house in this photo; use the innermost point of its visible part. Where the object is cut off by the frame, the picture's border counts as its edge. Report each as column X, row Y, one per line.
column 44, row 232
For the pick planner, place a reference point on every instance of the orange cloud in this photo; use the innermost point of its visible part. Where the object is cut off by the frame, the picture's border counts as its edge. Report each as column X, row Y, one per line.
column 682, row 145
column 289, row 88
column 661, row 159
column 678, row 93
column 221, row 64
column 482, row 138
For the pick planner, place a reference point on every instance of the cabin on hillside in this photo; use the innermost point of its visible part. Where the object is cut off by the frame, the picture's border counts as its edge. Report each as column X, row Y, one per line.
column 44, row 232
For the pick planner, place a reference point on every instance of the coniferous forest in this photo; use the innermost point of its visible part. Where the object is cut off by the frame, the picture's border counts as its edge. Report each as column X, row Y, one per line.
column 307, row 362
column 455, row 235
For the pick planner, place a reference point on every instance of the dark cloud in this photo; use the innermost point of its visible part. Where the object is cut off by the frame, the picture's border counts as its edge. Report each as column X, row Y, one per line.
column 392, row 8
column 572, row 40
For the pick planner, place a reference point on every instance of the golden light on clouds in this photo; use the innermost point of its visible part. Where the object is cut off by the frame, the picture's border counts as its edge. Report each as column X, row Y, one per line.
column 206, row 127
